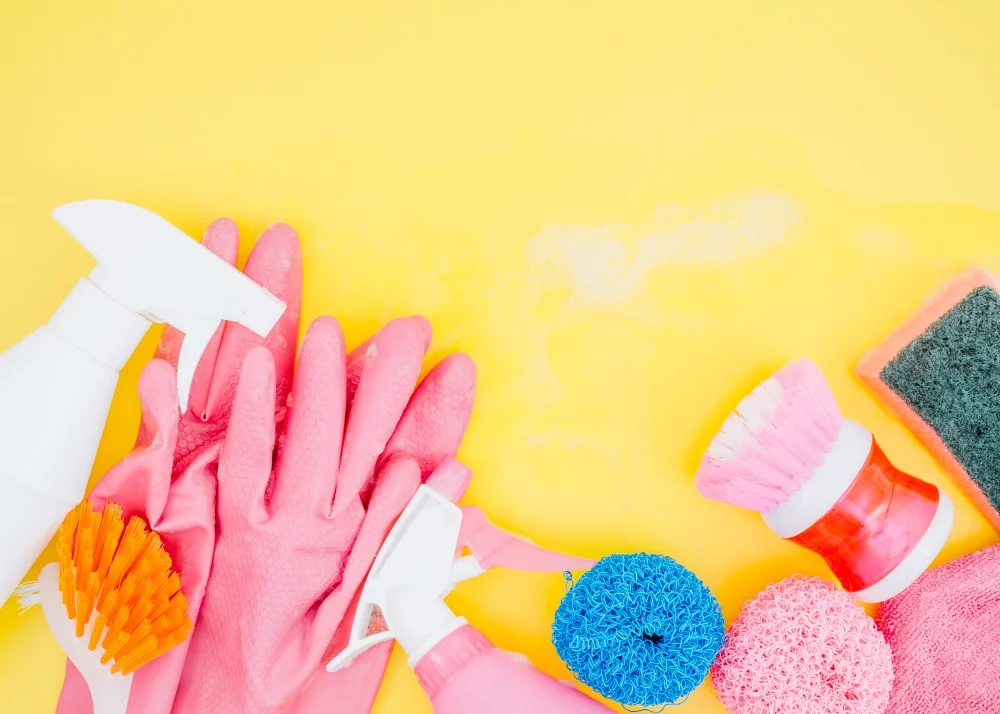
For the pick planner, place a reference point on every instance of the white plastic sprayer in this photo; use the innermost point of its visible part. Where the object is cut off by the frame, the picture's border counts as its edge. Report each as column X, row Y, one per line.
column 56, row 384
column 461, row 671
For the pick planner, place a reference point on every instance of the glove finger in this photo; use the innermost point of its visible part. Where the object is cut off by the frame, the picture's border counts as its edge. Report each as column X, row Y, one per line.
column 357, row 357
column 140, row 483
column 248, row 449
column 188, row 524
column 276, row 264
column 309, row 452
column 396, row 485
column 451, row 479
column 437, row 415
column 222, row 237
column 182, row 511
column 347, row 691
column 392, row 365
column 188, row 532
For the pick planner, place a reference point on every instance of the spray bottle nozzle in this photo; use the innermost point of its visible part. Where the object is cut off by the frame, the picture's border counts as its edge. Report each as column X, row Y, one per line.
column 156, row 270
column 420, row 563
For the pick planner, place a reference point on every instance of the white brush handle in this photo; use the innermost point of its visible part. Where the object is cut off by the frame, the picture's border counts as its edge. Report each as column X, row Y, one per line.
column 110, row 692
column 111, row 699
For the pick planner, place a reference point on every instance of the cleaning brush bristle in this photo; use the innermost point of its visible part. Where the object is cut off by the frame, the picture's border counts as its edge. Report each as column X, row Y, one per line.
column 773, row 441
column 120, row 579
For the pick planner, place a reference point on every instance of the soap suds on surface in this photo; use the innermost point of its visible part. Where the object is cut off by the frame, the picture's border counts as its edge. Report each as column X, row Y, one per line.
column 878, row 243
column 574, row 271
column 571, row 440
column 604, row 265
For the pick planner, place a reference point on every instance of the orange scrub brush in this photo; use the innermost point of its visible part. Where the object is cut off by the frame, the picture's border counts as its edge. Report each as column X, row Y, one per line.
column 113, row 601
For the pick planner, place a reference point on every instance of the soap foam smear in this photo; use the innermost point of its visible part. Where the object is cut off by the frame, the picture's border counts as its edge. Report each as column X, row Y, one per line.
column 773, row 441
column 603, row 268
column 605, row 265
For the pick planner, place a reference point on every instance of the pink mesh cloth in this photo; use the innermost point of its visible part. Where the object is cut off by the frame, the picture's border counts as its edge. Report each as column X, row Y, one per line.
column 801, row 646
column 944, row 631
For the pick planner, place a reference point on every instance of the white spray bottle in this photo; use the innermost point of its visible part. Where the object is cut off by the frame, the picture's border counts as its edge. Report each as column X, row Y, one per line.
column 56, row 384
column 458, row 667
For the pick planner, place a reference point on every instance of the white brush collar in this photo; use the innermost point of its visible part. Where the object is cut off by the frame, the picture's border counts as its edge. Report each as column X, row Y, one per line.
column 829, row 482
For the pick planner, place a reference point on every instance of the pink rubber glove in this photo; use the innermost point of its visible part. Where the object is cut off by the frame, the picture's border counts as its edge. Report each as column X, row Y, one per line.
column 283, row 576
column 169, row 478
column 430, row 431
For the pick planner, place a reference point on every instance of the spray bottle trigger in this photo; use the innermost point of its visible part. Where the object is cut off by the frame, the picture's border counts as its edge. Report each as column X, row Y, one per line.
column 154, row 269
column 198, row 332
column 356, row 648
column 466, row 568
column 419, row 564
column 494, row 547
column 414, row 562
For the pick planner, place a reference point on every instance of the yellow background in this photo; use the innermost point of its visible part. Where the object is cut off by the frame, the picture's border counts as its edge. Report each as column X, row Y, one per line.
column 627, row 212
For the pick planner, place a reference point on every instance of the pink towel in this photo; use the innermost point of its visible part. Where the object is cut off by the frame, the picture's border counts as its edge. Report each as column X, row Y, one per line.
column 944, row 631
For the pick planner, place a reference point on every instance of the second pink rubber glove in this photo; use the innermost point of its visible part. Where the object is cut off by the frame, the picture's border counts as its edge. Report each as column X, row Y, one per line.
column 283, row 576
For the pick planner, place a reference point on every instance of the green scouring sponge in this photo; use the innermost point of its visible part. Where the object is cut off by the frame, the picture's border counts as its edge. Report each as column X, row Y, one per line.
column 941, row 373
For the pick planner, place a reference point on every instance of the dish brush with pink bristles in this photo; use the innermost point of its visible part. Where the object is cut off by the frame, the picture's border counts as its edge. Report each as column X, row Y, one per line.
column 773, row 441
column 820, row 480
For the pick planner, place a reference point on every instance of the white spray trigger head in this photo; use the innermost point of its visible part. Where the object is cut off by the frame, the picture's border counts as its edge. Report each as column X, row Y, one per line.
column 156, row 270
column 419, row 564
column 409, row 579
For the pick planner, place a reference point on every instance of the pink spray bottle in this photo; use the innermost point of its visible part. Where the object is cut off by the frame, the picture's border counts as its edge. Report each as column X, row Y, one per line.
column 458, row 667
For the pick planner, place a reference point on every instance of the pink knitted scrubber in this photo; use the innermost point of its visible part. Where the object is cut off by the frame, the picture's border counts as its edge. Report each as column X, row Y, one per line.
column 944, row 631
column 801, row 646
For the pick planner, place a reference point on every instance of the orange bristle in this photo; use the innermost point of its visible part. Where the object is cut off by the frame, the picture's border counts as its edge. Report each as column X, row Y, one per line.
column 115, row 626
column 146, row 659
column 113, row 645
column 173, row 585
column 64, row 552
column 128, row 588
column 85, row 600
column 95, row 634
column 153, row 544
column 82, row 526
column 156, row 602
column 163, row 644
column 143, row 608
column 67, row 586
column 145, row 647
column 116, row 623
column 164, row 624
column 107, row 541
column 132, row 541
column 137, row 636
column 86, row 560
column 121, row 578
